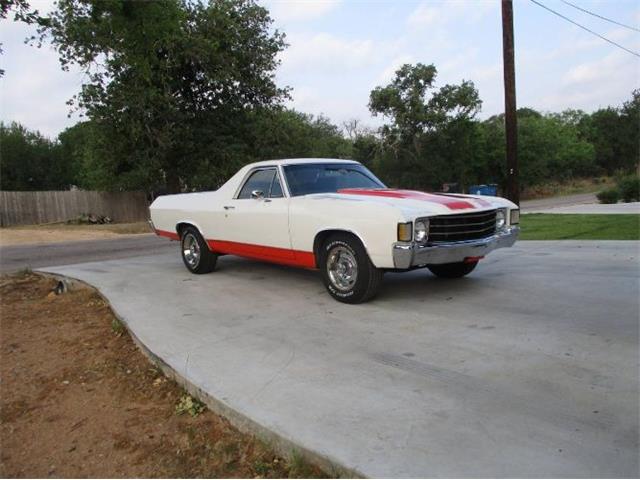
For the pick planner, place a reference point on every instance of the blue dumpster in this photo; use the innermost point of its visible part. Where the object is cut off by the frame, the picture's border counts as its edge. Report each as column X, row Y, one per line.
column 491, row 190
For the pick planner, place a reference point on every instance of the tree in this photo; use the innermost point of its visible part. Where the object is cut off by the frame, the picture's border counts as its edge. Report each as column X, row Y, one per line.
column 549, row 148
column 630, row 132
column 288, row 134
column 168, row 80
column 615, row 135
column 30, row 161
column 428, row 137
column 21, row 9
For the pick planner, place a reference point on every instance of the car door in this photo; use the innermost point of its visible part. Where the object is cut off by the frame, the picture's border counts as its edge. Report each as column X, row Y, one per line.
column 257, row 219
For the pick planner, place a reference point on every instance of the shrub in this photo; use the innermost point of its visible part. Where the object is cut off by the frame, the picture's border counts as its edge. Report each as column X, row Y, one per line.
column 610, row 195
column 629, row 188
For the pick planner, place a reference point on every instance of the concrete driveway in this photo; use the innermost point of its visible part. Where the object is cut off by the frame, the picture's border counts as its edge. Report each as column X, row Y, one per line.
column 527, row 368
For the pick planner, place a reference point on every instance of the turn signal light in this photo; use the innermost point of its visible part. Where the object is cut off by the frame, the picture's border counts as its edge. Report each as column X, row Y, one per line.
column 405, row 232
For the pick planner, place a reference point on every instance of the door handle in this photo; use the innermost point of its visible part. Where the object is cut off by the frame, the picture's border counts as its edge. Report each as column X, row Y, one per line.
column 267, row 200
column 229, row 207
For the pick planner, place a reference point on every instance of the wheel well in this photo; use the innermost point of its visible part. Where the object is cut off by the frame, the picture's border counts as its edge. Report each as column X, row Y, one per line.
column 182, row 225
column 321, row 237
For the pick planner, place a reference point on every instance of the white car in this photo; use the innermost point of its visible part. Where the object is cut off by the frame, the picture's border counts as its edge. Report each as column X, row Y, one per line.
column 335, row 216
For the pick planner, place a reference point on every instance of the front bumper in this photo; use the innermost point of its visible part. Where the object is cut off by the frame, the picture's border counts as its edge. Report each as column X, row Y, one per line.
column 407, row 255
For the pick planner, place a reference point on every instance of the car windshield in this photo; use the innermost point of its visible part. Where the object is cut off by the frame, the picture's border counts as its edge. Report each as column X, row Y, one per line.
column 305, row 179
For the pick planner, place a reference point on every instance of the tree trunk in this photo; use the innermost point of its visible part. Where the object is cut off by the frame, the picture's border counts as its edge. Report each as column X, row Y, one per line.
column 173, row 181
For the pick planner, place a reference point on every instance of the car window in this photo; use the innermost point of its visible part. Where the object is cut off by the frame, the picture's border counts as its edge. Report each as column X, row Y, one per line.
column 276, row 188
column 305, row 179
column 259, row 180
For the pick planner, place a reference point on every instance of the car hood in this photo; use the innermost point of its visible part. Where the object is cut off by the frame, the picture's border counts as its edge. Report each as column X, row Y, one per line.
column 414, row 203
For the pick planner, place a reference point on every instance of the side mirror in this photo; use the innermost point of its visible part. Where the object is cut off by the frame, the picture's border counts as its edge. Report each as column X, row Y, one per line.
column 257, row 194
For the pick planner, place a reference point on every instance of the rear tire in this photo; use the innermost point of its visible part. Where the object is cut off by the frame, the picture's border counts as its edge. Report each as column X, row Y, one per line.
column 195, row 252
column 347, row 272
column 452, row 270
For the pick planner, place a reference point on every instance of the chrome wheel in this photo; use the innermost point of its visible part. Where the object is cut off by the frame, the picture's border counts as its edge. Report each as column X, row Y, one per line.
column 342, row 268
column 191, row 250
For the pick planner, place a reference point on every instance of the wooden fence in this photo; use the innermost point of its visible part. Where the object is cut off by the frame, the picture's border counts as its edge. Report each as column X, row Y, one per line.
column 29, row 208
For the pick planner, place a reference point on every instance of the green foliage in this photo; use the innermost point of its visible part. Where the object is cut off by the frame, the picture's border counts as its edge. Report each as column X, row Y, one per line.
column 167, row 81
column 427, row 128
column 30, row 161
column 615, row 135
column 579, row 227
column 261, row 468
column 21, row 9
column 629, row 188
column 549, row 147
column 180, row 94
column 117, row 327
column 190, row 405
column 610, row 195
column 432, row 137
column 365, row 148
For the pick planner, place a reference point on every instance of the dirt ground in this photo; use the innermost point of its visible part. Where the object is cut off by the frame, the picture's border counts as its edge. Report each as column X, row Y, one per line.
column 62, row 232
column 78, row 399
column 570, row 187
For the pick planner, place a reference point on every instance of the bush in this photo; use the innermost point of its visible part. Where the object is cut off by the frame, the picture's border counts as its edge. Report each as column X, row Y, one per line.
column 629, row 188
column 610, row 195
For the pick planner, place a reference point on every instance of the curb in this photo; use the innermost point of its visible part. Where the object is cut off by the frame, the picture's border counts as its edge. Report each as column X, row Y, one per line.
column 284, row 446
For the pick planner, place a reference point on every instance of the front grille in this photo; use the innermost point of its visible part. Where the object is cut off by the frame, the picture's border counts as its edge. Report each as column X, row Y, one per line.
column 461, row 227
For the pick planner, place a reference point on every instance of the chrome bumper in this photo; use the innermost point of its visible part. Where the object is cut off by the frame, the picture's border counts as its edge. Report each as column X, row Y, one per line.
column 407, row 255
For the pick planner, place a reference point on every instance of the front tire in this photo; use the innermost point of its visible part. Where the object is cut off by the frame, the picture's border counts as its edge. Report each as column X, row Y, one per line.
column 195, row 252
column 347, row 272
column 452, row 270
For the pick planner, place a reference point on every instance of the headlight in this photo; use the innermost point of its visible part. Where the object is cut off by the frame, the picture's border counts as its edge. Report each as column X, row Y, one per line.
column 501, row 219
column 515, row 217
column 421, row 231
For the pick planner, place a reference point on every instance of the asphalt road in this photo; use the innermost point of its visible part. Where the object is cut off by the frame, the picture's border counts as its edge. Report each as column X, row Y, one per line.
column 17, row 257
column 526, row 368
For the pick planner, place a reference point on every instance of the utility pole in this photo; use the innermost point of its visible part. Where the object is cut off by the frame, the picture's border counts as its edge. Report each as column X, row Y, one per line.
column 511, row 121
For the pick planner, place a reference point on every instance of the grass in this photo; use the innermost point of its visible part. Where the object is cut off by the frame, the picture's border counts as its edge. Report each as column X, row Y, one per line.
column 543, row 226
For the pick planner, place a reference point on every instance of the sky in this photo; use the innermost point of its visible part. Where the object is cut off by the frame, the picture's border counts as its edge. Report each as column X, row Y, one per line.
column 339, row 50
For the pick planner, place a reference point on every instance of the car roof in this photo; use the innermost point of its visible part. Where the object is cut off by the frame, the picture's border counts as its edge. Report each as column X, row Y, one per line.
column 300, row 161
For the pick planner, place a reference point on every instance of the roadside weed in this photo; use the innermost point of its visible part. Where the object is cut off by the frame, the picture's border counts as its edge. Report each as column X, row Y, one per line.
column 299, row 466
column 190, row 405
column 24, row 272
column 117, row 326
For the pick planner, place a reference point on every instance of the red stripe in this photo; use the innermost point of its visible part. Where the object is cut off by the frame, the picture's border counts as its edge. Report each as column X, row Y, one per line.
column 282, row 256
column 450, row 202
column 164, row 233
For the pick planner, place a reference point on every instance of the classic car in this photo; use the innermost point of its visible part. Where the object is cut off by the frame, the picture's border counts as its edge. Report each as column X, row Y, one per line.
column 337, row 217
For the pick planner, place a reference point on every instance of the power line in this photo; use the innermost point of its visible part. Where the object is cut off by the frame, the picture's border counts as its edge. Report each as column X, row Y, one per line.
column 588, row 30
column 600, row 16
